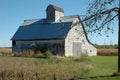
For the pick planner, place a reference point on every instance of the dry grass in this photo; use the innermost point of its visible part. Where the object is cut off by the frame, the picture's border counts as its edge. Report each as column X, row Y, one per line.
column 107, row 52
column 5, row 51
column 12, row 68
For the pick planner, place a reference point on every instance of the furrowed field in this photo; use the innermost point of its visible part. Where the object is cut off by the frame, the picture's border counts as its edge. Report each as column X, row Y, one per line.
column 58, row 68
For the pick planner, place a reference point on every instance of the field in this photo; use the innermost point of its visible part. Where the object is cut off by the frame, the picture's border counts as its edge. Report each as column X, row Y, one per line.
column 5, row 51
column 107, row 52
column 58, row 68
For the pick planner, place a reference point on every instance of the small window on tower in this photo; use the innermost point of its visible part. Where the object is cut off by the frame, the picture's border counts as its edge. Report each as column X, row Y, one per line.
column 14, row 43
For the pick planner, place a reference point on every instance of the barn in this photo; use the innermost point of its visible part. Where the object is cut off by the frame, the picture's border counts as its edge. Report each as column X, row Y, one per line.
column 62, row 35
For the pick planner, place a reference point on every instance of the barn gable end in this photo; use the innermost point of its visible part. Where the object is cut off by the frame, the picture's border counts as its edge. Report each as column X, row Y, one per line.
column 77, row 43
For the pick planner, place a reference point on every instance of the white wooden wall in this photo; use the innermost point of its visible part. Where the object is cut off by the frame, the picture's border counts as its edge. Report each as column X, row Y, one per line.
column 76, row 35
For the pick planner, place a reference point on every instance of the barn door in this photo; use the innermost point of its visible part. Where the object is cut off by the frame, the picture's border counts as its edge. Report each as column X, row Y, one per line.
column 58, row 49
column 77, row 48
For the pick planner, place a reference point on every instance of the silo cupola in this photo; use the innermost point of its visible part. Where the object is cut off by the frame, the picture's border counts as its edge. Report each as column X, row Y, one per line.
column 53, row 13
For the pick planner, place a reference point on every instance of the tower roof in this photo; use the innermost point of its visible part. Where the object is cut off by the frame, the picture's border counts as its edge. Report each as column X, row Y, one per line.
column 55, row 7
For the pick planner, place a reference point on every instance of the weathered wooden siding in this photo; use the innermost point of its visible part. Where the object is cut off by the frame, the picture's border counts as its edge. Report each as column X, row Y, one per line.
column 72, row 37
column 58, row 15
column 55, row 46
column 89, row 49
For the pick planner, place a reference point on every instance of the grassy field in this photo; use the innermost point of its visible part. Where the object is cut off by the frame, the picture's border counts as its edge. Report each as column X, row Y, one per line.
column 105, row 66
column 58, row 68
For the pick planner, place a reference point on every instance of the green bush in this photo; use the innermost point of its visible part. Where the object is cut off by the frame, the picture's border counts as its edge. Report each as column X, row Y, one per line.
column 16, row 54
column 48, row 54
column 39, row 54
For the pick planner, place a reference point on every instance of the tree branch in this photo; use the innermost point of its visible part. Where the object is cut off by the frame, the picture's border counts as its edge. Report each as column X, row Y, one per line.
column 116, row 9
column 103, row 24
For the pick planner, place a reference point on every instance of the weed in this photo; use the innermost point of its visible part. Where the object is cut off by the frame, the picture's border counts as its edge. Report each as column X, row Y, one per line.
column 14, row 68
column 82, row 59
column 83, row 74
column 48, row 54
column 31, row 53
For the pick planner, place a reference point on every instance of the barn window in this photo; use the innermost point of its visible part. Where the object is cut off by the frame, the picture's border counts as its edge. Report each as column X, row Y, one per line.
column 14, row 43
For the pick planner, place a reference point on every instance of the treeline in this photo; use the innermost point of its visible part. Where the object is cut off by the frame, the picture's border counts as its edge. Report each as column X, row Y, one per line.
column 115, row 46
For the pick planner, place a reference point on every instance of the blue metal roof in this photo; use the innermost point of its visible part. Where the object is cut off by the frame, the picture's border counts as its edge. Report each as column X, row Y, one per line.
column 39, row 29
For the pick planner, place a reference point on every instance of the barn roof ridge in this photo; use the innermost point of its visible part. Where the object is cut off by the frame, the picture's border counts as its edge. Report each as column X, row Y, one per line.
column 43, row 20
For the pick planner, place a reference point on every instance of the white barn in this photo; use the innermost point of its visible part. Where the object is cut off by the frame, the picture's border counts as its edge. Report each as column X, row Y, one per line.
column 62, row 35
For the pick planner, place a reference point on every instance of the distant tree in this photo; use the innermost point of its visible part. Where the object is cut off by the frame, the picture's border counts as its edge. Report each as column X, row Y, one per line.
column 100, row 15
column 116, row 46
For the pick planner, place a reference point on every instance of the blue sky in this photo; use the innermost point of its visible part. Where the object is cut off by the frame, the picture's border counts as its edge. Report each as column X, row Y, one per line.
column 14, row 12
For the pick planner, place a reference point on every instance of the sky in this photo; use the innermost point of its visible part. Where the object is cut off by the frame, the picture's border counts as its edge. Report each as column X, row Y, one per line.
column 14, row 12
